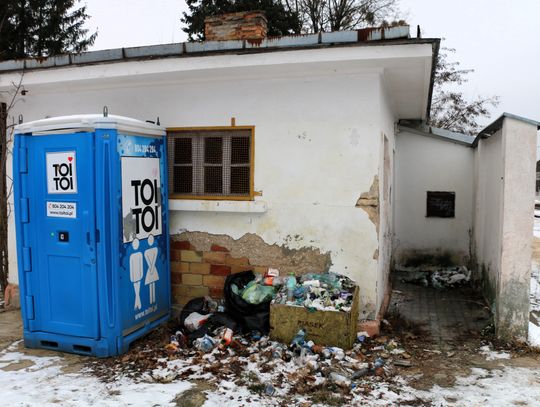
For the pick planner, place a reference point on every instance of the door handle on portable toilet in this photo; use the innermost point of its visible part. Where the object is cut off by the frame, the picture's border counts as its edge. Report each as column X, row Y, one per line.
column 90, row 238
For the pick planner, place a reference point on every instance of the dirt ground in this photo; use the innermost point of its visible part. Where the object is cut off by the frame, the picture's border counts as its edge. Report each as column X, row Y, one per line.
column 433, row 366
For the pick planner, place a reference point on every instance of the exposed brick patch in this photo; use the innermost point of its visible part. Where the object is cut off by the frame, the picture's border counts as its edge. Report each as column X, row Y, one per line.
column 242, row 261
column 214, row 281
column 218, row 248
column 260, row 269
column 251, row 25
column 176, row 255
column 189, row 291
column 199, row 268
column 215, row 257
column 239, row 269
column 179, row 267
column 220, row 270
column 176, row 278
column 181, row 245
column 216, row 292
column 192, row 279
column 191, row 256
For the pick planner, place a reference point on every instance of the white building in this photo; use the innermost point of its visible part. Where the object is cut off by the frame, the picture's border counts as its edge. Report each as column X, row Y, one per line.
column 314, row 173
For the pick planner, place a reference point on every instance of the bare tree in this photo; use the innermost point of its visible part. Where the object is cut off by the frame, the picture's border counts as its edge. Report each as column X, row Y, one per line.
column 335, row 15
column 6, row 185
column 449, row 108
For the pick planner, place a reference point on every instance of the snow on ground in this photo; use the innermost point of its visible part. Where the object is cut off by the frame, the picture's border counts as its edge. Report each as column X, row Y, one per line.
column 504, row 386
column 42, row 383
column 534, row 335
column 492, row 354
column 534, row 330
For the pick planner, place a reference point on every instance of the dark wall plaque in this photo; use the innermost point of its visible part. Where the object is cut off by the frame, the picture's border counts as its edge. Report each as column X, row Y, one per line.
column 440, row 204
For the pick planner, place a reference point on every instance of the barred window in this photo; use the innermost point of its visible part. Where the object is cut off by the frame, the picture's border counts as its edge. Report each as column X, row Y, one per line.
column 211, row 163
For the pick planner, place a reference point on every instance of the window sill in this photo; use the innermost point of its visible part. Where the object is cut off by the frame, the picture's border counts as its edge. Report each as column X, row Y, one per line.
column 190, row 205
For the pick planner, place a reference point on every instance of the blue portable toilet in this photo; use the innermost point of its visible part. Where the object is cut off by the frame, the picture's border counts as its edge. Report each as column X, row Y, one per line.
column 92, row 232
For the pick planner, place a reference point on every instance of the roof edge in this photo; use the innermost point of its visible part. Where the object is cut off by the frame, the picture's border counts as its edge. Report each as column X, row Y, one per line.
column 438, row 133
column 435, row 59
column 398, row 35
column 496, row 125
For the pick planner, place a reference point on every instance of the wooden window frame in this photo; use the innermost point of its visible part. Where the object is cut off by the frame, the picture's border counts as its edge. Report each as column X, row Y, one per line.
column 251, row 196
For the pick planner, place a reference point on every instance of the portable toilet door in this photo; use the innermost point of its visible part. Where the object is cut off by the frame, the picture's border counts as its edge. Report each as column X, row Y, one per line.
column 72, row 291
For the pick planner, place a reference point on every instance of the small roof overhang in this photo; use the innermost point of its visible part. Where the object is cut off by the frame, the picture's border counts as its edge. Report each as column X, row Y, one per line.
column 497, row 125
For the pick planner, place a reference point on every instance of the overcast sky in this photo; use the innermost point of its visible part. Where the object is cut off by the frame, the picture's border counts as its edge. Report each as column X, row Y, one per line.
column 499, row 39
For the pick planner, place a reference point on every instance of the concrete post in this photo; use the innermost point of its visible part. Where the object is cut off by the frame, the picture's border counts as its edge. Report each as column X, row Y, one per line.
column 512, row 293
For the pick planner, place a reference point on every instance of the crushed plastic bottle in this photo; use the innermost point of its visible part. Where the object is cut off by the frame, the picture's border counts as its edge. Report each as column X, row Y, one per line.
column 291, row 285
column 337, row 353
column 360, row 373
column 204, row 344
column 379, row 362
column 299, row 339
column 340, row 380
column 269, row 390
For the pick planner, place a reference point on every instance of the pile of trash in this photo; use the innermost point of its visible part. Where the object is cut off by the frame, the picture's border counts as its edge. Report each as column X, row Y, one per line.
column 436, row 277
column 274, row 369
column 323, row 292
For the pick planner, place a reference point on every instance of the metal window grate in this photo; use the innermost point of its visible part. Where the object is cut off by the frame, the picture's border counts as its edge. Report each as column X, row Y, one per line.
column 210, row 163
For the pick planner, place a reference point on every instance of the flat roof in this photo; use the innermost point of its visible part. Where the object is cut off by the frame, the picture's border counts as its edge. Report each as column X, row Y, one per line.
column 365, row 36
column 438, row 133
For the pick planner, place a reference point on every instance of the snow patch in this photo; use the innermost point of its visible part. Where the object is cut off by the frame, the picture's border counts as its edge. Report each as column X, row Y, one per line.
column 492, row 354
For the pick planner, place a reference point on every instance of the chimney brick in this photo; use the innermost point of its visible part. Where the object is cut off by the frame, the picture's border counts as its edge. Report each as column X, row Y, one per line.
column 247, row 25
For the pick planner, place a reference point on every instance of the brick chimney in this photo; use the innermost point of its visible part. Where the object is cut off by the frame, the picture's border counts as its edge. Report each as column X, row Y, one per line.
column 246, row 25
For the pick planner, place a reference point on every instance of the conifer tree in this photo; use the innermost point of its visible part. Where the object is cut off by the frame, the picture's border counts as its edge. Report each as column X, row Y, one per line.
column 39, row 28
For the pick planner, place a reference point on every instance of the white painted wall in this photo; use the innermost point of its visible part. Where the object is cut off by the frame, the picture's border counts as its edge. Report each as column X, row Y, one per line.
column 317, row 148
column 386, row 191
column 489, row 178
column 428, row 164
column 506, row 173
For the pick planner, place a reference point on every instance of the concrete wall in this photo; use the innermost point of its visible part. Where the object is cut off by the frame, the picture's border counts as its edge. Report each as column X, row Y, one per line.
column 488, row 219
column 428, row 164
column 506, row 165
column 318, row 139
column 386, row 194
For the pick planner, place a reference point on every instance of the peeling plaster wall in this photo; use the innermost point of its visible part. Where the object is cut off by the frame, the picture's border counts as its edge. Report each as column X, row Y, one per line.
column 427, row 164
column 317, row 148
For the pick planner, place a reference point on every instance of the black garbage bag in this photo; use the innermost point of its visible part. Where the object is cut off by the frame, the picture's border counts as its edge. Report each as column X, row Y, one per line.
column 199, row 305
column 250, row 317
column 216, row 320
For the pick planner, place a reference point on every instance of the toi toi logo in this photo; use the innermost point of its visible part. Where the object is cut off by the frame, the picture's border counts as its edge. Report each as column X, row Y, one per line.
column 63, row 176
column 146, row 211
column 61, row 172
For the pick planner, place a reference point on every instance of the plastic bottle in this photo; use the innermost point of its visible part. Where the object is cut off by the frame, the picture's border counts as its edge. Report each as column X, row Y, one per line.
column 226, row 338
column 291, row 285
column 299, row 339
column 340, row 380
column 274, row 281
column 204, row 344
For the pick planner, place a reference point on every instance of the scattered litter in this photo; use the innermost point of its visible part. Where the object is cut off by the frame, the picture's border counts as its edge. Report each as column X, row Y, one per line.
column 436, row 277
column 402, row 363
